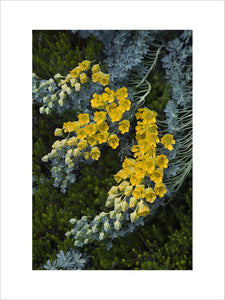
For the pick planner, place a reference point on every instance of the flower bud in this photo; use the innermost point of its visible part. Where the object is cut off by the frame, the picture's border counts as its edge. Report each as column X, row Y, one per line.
column 68, row 160
column 124, row 206
column 77, row 86
column 117, row 225
column 101, row 236
column 103, row 214
column 53, row 97
column 112, row 214
column 117, row 207
column 68, row 90
column 96, row 219
column 134, row 216
column 60, row 102
column 45, row 158
column 64, row 142
column 50, row 104
column 76, row 152
column 94, row 229
column 71, row 165
column 69, row 152
column 47, row 111
column 119, row 216
column 106, row 226
column 133, row 202
column 72, row 221
column 86, row 241
column 41, row 110
column 58, row 132
column 45, row 99
column 111, row 197
column 128, row 190
column 113, row 190
column 72, row 82
column 58, row 76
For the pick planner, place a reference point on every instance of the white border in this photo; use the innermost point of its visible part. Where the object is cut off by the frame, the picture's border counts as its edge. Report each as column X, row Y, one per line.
column 18, row 18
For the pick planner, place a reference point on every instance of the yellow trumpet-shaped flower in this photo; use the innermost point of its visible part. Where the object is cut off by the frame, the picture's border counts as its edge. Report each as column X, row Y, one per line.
column 83, row 78
column 139, row 191
column 150, row 195
column 156, row 175
column 95, row 153
column 143, row 209
column 160, row 189
column 162, row 161
column 113, row 141
column 83, row 119
column 121, row 93
column 84, row 65
column 104, row 80
column 100, row 116
column 168, row 140
column 124, row 126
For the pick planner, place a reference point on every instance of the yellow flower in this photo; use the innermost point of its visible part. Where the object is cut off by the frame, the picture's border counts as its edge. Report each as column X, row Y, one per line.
column 92, row 140
column 156, row 176
column 71, row 126
column 148, row 165
column 121, row 93
column 75, row 72
column 83, row 119
column 143, row 209
column 84, row 65
column 95, row 153
column 95, row 68
column 72, row 141
column 124, row 126
column 150, row 195
column 82, row 145
column 96, row 76
column 103, row 127
column 119, row 176
column 134, row 180
column 98, row 102
column 162, row 161
column 139, row 191
column 160, row 189
column 116, row 114
column 111, row 94
column 58, row 132
column 83, row 78
column 168, row 140
column 104, row 80
column 81, row 134
column 113, row 141
column 90, row 129
column 100, row 116
column 124, row 104
column 102, row 137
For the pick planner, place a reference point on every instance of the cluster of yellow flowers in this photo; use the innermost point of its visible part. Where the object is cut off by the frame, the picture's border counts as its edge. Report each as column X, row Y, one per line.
column 78, row 76
column 88, row 134
column 146, row 166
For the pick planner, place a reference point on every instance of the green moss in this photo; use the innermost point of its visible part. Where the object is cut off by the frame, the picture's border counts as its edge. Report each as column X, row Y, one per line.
column 164, row 243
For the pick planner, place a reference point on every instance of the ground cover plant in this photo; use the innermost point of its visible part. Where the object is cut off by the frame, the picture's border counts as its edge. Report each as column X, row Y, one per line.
column 112, row 150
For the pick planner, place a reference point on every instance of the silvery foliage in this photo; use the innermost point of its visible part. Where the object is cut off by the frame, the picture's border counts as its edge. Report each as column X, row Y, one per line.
column 124, row 51
column 178, row 71
column 72, row 260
